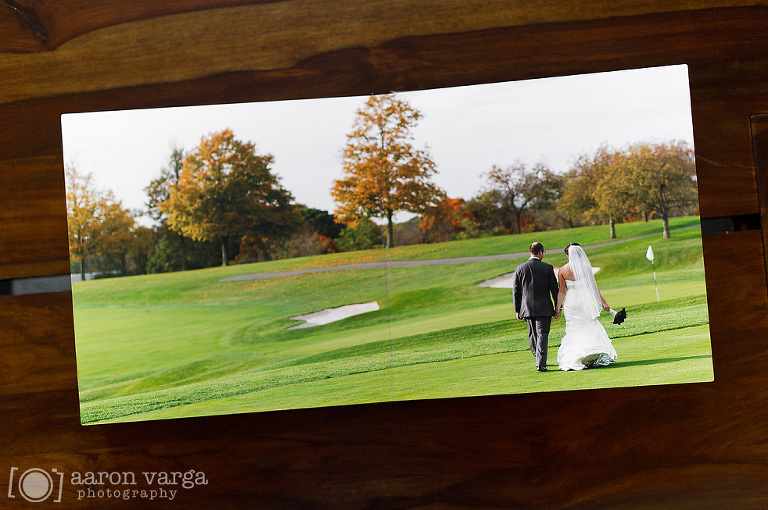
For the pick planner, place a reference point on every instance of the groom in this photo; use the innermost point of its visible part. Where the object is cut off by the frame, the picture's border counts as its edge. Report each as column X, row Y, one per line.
column 535, row 290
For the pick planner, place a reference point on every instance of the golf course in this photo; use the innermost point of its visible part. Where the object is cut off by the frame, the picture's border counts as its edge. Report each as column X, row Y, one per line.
column 199, row 343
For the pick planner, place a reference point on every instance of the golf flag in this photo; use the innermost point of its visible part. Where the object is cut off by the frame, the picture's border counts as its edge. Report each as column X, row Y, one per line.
column 649, row 256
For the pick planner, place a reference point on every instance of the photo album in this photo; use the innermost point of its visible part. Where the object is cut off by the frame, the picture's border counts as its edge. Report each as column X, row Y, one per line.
column 494, row 239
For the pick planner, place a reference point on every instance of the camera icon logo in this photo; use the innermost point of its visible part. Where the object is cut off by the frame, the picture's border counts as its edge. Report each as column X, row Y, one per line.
column 35, row 484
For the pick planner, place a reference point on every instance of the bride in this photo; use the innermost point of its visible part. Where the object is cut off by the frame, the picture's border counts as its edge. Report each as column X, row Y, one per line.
column 585, row 344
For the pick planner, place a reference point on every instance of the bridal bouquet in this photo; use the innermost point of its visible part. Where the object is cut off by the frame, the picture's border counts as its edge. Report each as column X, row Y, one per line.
column 618, row 317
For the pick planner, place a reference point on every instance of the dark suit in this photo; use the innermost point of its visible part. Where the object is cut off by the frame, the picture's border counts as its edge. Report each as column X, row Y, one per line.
column 535, row 291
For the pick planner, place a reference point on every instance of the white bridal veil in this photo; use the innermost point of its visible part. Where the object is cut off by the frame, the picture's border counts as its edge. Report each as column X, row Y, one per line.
column 582, row 273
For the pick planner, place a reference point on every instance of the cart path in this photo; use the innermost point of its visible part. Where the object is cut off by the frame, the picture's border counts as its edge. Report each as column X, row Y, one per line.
column 414, row 263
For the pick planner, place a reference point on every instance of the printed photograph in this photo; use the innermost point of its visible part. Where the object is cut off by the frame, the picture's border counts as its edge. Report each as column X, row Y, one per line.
column 503, row 238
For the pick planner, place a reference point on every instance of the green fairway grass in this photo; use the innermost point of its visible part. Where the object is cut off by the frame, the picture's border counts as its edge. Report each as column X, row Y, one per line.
column 188, row 344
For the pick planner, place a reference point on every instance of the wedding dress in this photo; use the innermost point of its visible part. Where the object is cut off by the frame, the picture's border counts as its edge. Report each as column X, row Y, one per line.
column 585, row 344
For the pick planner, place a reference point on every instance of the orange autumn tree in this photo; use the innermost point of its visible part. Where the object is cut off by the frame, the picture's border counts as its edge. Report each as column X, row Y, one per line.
column 83, row 205
column 383, row 172
column 444, row 220
column 227, row 190
column 116, row 235
column 99, row 227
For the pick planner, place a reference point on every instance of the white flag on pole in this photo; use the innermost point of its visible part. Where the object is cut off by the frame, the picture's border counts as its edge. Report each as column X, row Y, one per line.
column 649, row 256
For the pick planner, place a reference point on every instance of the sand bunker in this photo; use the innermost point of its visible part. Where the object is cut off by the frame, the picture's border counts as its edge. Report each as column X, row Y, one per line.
column 333, row 314
column 500, row 282
column 505, row 281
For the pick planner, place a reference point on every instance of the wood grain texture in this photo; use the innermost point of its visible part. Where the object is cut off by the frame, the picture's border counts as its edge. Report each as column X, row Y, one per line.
column 65, row 20
column 759, row 130
column 33, row 240
column 723, row 97
column 35, row 328
column 271, row 36
column 684, row 446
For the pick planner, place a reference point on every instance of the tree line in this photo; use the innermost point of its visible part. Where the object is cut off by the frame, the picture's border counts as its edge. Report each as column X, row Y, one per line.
column 222, row 202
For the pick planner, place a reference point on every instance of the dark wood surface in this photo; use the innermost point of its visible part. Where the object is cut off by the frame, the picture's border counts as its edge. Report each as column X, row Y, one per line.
column 759, row 129
column 684, row 446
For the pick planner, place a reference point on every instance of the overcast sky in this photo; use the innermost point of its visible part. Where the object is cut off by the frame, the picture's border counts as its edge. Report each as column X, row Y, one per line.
column 465, row 129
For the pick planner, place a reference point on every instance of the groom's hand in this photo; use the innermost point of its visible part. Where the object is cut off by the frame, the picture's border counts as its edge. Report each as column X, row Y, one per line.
column 519, row 317
column 558, row 313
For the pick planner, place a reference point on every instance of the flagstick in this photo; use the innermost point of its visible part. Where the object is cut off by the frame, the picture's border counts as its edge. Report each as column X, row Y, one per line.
column 649, row 256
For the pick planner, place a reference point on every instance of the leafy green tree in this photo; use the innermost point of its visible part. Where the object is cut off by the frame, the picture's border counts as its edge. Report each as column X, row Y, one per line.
column 320, row 222
column 383, row 172
column 226, row 190
column 162, row 258
column 363, row 236
column 159, row 190
column 141, row 247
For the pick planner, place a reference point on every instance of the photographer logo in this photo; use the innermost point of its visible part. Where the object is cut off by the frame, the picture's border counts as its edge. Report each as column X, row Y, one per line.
column 36, row 485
